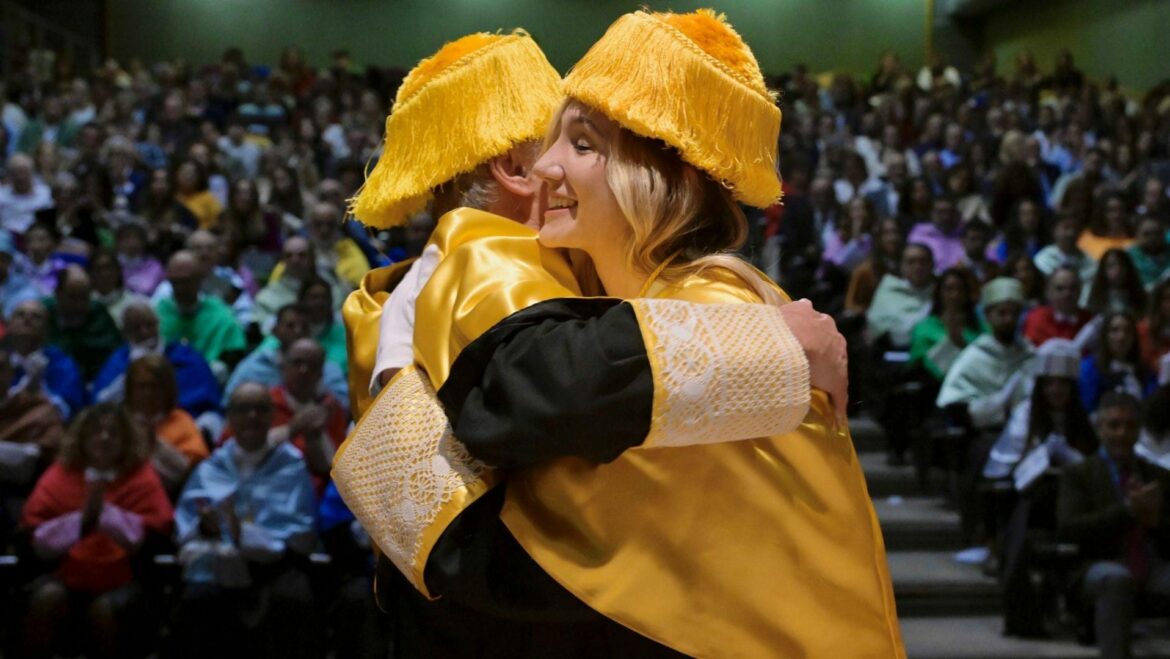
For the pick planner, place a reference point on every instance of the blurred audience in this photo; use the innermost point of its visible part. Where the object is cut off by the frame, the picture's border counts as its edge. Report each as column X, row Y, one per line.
column 15, row 286
column 1150, row 253
column 109, row 286
column 80, row 325
column 989, row 376
column 198, row 390
column 310, row 418
column 952, row 323
column 1112, row 506
column 1115, row 364
column 1062, row 317
column 1045, row 433
column 901, row 300
column 151, row 399
column 30, row 433
column 40, row 365
column 1117, row 286
column 204, row 322
column 264, row 364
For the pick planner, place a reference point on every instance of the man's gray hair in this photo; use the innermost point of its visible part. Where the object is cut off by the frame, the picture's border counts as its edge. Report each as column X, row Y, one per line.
column 477, row 188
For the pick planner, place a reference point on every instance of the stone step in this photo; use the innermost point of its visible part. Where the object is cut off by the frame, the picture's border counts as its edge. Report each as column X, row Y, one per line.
column 918, row 523
column 931, row 583
column 867, row 434
column 979, row 637
column 885, row 480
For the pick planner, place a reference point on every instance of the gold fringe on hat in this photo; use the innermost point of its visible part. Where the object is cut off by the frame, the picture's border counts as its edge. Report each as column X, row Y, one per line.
column 690, row 81
column 472, row 101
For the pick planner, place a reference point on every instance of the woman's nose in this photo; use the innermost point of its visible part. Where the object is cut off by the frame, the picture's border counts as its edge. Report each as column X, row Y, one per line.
column 547, row 168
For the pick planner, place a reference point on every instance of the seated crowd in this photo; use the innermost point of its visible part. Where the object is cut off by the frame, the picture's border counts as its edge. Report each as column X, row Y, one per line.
column 996, row 251
column 174, row 252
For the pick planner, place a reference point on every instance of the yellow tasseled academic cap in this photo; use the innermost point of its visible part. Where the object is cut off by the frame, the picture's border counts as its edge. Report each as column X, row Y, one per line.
column 690, row 81
column 473, row 100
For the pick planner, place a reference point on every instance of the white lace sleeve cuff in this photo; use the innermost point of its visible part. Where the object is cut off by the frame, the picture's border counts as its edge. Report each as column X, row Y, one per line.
column 722, row 372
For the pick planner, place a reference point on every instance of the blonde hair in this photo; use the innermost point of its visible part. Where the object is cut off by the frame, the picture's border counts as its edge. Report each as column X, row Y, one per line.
column 677, row 215
column 1011, row 147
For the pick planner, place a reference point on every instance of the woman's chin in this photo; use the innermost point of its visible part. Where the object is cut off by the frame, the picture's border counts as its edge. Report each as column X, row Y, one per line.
column 555, row 233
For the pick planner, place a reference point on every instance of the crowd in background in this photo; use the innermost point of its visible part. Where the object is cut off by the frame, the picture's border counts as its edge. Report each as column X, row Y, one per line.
column 994, row 244
column 174, row 251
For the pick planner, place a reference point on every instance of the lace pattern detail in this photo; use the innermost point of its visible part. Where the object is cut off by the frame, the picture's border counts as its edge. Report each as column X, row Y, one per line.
column 400, row 467
column 722, row 372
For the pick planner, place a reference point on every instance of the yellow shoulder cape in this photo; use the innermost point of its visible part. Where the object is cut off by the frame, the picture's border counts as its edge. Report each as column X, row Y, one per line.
column 362, row 314
column 401, row 471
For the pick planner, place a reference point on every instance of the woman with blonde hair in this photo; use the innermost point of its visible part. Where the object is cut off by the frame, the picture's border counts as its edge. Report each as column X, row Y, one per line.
column 656, row 522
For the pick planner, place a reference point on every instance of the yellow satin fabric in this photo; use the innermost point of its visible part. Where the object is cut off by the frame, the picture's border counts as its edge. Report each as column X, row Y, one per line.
column 492, row 267
column 500, row 269
column 362, row 314
column 760, row 548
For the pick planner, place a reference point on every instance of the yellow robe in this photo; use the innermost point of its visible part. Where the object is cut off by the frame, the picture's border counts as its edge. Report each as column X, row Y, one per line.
column 758, row 548
column 400, row 471
column 462, row 300
column 362, row 314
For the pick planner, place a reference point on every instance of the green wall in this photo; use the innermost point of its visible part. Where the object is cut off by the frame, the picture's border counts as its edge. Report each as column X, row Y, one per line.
column 826, row 34
column 1123, row 37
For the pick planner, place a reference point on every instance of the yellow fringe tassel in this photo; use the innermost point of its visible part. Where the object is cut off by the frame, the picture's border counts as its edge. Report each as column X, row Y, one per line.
column 654, row 79
column 449, row 118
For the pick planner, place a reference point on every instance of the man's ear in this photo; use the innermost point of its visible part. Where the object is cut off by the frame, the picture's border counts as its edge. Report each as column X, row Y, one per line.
column 513, row 172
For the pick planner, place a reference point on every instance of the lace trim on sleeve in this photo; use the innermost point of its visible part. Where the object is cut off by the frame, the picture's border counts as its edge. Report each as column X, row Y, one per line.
column 404, row 475
column 722, row 372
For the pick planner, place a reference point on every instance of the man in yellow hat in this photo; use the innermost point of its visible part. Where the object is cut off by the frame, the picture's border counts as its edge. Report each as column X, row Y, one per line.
column 463, row 132
column 462, row 137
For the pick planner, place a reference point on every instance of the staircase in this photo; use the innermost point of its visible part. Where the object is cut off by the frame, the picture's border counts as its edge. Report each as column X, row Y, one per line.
column 949, row 610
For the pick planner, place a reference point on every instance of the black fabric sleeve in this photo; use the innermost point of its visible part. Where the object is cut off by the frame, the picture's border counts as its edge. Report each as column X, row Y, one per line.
column 565, row 377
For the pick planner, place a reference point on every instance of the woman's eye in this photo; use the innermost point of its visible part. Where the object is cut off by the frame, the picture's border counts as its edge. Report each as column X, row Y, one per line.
column 581, row 146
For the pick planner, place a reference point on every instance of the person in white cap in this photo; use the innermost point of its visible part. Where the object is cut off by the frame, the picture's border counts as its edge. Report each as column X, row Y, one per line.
column 988, row 377
column 1048, row 430
column 986, row 381
column 1052, row 418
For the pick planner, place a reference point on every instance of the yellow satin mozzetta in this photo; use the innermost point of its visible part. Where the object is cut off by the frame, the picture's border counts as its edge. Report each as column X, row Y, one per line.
column 760, row 548
column 500, row 269
column 362, row 314
column 490, row 267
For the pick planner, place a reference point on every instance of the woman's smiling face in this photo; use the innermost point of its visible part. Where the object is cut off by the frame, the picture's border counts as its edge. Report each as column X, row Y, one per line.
column 582, row 211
